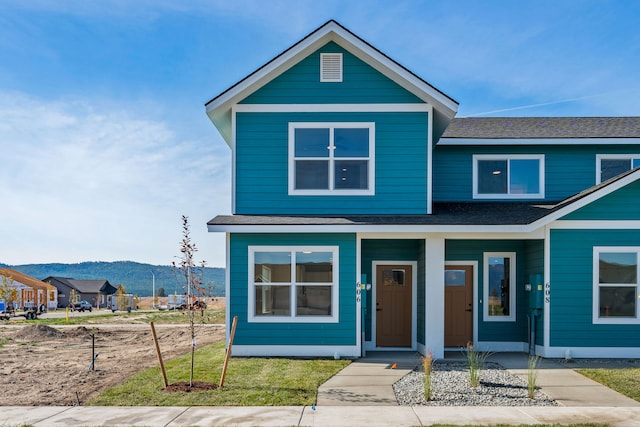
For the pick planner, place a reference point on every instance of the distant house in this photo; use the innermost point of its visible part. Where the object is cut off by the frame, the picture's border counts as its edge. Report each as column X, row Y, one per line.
column 94, row 291
column 31, row 292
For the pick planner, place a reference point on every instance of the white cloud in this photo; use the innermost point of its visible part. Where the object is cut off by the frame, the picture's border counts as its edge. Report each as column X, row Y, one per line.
column 84, row 183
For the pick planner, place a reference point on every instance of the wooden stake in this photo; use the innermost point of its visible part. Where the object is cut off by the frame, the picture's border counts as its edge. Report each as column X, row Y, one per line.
column 155, row 340
column 226, row 357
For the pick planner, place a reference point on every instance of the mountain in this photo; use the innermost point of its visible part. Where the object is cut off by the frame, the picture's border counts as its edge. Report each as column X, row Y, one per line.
column 137, row 277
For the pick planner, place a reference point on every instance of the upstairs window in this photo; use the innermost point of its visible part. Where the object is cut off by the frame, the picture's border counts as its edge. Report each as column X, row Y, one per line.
column 331, row 67
column 616, row 284
column 331, row 158
column 612, row 165
column 508, row 176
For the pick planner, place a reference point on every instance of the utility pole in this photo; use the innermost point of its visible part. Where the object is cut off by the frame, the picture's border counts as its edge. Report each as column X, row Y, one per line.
column 153, row 296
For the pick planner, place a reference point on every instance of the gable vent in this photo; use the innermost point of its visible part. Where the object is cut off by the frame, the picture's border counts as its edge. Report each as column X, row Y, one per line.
column 330, row 67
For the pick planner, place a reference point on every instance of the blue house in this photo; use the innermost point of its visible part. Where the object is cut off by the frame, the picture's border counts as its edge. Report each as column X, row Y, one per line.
column 367, row 217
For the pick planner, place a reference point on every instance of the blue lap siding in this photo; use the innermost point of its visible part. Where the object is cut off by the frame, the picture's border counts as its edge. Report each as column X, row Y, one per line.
column 400, row 165
column 318, row 334
column 391, row 250
column 361, row 84
column 571, row 306
column 568, row 171
column 473, row 250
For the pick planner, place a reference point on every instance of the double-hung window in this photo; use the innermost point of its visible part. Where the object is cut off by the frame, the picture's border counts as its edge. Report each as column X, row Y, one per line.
column 612, row 165
column 293, row 284
column 616, row 285
column 499, row 292
column 331, row 158
column 508, row 176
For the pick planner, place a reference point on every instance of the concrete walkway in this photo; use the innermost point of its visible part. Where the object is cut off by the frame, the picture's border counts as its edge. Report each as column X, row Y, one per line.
column 369, row 381
column 329, row 416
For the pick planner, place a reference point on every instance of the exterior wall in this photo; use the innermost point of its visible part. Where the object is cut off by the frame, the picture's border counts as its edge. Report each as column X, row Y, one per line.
column 620, row 205
column 389, row 250
column 571, row 305
column 473, row 250
column 268, row 335
column 301, row 84
column 400, row 165
column 569, row 169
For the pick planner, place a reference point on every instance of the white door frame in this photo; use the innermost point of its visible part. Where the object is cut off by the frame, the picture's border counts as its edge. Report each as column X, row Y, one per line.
column 474, row 264
column 372, row 345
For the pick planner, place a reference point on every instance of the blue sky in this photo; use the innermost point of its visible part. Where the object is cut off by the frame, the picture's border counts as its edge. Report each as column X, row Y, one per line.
column 104, row 140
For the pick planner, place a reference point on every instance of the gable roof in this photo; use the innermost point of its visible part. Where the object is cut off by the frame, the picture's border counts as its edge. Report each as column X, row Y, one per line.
column 219, row 108
column 451, row 216
column 86, row 286
column 24, row 279
column 542, row 128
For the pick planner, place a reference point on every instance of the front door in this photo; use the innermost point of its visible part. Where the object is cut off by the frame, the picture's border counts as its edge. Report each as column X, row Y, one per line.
column 458, row 305
column 393, row 305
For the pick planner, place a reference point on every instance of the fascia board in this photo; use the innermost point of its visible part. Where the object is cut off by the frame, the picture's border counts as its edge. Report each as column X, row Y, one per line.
column 538, row 141
column 411, row 229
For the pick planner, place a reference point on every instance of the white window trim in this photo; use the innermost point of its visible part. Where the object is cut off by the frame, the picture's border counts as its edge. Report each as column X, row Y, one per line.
column 370, row 191
column 597, row 320
column 292, row 318
column 339, row 60
column 512, row 292
column 508, row 158
column 600, row 157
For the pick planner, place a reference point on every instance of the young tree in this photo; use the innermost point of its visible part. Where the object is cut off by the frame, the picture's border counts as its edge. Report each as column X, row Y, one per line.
column 190, row 276
column 161, row 292
column 7, row 292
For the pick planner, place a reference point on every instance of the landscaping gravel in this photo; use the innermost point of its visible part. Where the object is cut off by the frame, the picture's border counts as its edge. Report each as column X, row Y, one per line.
column 450, row 387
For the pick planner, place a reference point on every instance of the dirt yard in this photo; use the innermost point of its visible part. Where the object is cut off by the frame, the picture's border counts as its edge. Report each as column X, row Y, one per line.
column 43, row 365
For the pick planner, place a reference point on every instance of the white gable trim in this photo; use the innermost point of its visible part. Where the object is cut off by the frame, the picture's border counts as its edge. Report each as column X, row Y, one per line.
column 574, row 206
column 218, row 109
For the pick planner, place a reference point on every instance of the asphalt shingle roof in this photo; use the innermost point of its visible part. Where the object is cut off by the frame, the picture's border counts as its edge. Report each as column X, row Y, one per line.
column 543, row 127
column 450, row 213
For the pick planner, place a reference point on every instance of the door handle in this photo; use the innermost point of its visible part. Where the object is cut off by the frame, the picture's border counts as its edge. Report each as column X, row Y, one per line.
column 378, row 309
column 469, row 310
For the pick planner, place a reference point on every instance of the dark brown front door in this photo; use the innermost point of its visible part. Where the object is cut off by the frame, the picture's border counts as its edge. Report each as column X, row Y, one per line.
column 458, row 305
column 393, row 305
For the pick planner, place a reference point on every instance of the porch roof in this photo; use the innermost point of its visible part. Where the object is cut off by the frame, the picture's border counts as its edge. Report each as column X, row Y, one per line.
column 484, row 213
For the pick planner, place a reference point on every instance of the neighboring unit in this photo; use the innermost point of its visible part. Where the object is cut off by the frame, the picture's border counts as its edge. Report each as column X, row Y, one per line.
column 367, row 217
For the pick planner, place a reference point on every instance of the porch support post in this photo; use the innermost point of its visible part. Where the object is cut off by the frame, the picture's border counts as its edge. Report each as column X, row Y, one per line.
column 434, row 296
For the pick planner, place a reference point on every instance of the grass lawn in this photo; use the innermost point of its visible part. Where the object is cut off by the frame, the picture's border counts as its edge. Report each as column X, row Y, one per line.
column 625, row 381
column 249, row 381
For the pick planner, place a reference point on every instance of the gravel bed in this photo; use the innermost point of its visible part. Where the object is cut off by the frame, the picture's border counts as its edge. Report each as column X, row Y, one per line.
column 450, row 387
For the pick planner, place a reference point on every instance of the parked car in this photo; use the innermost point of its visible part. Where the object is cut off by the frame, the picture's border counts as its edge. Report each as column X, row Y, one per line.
column 82, row 306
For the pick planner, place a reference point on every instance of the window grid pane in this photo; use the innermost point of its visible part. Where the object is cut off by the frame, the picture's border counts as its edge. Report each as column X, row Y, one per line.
column 492, row 176
column 312, row 175
column 524, row 176
column 618, row 301
column 610, row 168
column 347, row 150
